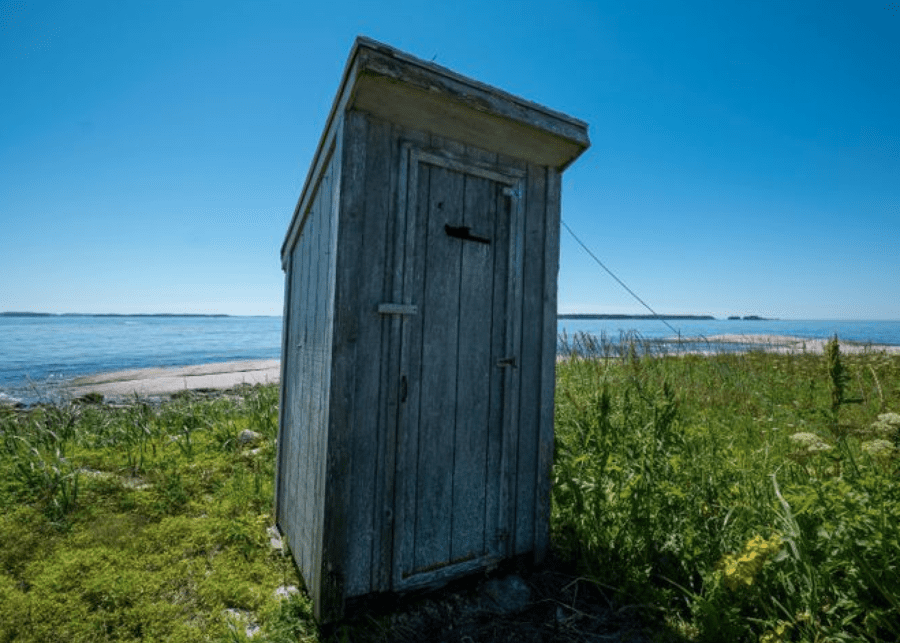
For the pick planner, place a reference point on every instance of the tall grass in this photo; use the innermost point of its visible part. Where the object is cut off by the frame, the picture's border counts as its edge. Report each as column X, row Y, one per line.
column 741, row 497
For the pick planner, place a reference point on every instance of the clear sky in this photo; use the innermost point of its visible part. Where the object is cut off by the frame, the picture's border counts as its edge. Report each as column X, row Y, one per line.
column 745, row 156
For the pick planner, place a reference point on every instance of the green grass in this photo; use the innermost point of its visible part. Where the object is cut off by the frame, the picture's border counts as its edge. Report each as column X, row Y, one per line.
column 143, row 524
column 744, row 497
column 748, row 497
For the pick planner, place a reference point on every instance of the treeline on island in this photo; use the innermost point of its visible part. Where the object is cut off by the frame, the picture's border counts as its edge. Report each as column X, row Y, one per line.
column 30, row 314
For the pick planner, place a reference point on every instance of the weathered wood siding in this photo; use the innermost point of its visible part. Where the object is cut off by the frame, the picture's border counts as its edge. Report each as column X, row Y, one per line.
column 306, row 381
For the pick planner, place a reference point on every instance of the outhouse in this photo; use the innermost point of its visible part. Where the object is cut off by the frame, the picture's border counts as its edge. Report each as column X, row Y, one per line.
column 417, row 375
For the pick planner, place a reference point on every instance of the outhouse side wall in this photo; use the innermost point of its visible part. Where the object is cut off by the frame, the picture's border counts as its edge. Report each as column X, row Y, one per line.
column 306, row 365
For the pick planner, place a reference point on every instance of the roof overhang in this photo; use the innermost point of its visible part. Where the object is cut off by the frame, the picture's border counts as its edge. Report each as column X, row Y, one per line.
column 421, row 95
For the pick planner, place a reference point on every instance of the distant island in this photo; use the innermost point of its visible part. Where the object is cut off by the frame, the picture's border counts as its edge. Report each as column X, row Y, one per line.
column 615, row 316
column 748, row 318
column 30, row 314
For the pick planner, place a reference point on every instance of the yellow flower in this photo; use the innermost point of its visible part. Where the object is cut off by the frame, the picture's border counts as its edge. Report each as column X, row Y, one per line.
column 777, row 635
column 741, row 569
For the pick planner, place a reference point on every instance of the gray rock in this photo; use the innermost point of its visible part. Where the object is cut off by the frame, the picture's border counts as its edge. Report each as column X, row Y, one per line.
column 275, row 541
column 247, row 436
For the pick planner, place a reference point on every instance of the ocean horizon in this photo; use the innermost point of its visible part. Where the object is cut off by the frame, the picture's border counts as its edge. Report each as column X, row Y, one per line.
column 38, row 352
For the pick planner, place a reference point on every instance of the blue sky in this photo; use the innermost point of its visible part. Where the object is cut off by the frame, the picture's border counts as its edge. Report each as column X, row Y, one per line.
column 745, row 157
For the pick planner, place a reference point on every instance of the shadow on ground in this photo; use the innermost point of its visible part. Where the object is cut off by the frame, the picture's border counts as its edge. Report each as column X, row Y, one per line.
column 549, row 604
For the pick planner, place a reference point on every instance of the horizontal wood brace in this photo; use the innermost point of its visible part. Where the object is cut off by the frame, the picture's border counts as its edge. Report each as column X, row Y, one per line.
column 398, row 309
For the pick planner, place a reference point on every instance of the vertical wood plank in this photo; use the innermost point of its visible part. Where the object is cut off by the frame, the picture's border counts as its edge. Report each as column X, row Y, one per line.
column 548, row 367
column 387, row 447
column 473, row 373
column 497, row 476
column 370, row 248
column 437, row 414
column 310, row 426
column 283, row 409
column 299, row 541
column 300, row 481
column 512, row 378
column 532, row 333
column 410, row 365
column 337, row 448
column 318, row 382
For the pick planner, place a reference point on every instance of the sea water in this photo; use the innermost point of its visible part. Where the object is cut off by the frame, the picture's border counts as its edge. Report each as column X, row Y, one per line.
column 37, row 353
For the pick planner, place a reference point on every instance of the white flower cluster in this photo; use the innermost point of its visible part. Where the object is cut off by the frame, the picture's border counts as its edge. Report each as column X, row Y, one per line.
column 810, row 443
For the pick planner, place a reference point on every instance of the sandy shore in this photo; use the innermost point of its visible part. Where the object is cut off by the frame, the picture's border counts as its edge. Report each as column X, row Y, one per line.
column 734, row 344
column 787, row 344
column 148, row 382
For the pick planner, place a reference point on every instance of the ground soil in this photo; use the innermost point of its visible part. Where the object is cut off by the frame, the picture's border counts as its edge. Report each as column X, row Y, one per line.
column 562, row 608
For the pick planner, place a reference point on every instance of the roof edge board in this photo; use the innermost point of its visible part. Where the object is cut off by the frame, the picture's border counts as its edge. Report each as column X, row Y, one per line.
column 501, row 103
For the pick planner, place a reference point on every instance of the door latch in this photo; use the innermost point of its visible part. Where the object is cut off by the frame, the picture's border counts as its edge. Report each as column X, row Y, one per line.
column 507, row 362
column 464, row 232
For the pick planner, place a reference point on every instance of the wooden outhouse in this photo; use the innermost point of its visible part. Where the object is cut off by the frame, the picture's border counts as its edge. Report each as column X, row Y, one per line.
column 416, row 426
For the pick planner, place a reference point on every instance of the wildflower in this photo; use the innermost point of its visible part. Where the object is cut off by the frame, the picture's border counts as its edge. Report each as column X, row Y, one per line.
column 808, row 444
column 742, row 568
column 880, row 450
column 777, row 635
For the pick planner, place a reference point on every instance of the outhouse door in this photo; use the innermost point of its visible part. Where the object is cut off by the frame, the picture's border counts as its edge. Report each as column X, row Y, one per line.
column 460, row 262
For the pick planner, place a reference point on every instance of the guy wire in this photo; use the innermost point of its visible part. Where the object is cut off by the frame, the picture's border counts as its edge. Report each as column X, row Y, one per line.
column 620, row 282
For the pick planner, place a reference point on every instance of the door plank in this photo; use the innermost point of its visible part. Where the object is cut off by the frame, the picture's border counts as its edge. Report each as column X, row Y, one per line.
column 495, row 528
column 437, row 414
column 473, row 372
